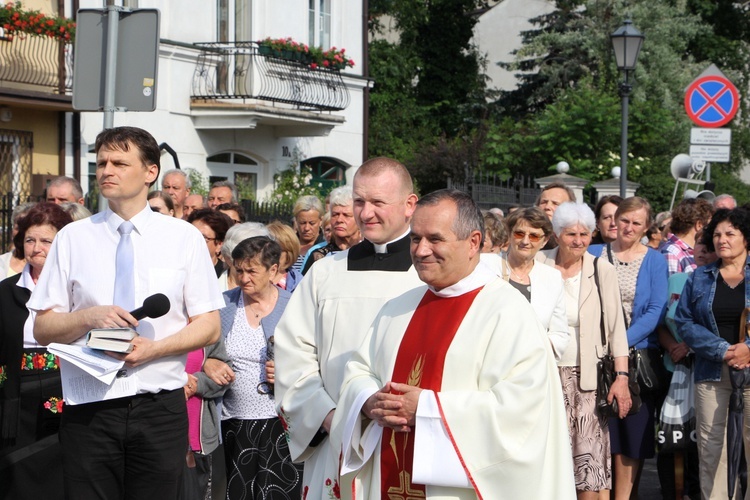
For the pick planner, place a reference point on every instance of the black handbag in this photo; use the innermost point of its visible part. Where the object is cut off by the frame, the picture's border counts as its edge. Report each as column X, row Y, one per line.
column 605, row 369
column 650, row 371
column 605, row 372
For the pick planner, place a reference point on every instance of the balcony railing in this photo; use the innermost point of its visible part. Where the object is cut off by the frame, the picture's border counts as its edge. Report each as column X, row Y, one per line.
column 37, row 63
column 227, row 70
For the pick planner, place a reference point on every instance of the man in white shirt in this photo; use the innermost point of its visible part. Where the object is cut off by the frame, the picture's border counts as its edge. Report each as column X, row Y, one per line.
column 127, row 439
column 329, row 313
column 454, row 393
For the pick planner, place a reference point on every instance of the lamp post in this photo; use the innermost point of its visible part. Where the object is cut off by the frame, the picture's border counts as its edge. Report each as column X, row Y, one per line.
column 626, row 42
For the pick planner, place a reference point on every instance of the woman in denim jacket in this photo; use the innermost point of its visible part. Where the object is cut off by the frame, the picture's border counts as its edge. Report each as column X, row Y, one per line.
column 708, row 317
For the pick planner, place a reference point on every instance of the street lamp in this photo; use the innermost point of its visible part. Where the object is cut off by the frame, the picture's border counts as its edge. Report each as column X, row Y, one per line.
column 626, row 42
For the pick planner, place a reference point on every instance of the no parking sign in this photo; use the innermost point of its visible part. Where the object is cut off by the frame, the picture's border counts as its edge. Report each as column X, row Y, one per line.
column 712, row 101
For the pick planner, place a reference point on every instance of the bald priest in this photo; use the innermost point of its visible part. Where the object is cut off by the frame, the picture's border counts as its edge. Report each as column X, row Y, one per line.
column 454, row 393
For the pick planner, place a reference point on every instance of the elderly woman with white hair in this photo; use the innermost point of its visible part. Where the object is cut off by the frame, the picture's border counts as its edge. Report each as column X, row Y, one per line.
column 344, row 230
column 592, row 299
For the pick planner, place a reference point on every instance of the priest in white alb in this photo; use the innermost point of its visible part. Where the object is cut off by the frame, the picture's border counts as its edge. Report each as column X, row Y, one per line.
column 454, row 393
column 329, row 314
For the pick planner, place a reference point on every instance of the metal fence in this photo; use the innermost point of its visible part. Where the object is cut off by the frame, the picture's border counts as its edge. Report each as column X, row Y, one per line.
column 490, row 190
column 265, row 212
column 15, row 177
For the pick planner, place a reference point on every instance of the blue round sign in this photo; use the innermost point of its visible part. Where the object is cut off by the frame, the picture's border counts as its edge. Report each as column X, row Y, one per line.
column 712, row 101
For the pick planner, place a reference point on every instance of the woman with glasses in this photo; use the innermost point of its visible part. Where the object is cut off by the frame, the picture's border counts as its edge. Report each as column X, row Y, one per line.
column 255, row 448
column 213, row 225
column 542, row 285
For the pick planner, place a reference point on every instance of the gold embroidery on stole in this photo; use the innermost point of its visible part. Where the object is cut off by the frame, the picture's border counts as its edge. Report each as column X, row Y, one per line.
column 404, row 491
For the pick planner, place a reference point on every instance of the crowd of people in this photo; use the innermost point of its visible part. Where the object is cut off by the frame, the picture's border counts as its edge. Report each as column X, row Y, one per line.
column 420, row 348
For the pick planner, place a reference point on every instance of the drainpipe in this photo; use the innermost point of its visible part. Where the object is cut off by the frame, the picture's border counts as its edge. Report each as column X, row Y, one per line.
column 366, row 74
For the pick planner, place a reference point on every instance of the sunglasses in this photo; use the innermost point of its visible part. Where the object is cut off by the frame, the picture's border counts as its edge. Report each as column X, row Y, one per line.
column 533, row 237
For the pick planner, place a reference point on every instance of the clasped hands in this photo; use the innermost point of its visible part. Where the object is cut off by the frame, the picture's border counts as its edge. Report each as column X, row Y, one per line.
column 738, row 356
column 393, row 406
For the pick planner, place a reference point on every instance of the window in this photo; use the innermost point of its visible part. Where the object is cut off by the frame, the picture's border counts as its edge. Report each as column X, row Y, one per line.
column 238, row 168
column 319, row 23
column 233, row 20
column 15, row 163
column 326, row 171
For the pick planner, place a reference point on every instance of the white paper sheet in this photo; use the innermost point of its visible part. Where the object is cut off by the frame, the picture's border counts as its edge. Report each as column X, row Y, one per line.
column 89, row 375
column 94, row 362
column 79, row 387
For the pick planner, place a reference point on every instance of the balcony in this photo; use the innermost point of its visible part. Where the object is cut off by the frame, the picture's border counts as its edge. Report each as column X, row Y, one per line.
column 237, row 70
column 34, row 66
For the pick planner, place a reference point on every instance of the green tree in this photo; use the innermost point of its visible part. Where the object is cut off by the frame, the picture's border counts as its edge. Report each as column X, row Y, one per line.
column 570, row 107
column 428, row 88
column 398, row 124
column 198, row 182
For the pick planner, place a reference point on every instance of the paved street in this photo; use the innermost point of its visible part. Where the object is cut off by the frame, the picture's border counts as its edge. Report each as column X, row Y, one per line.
column 649, row 488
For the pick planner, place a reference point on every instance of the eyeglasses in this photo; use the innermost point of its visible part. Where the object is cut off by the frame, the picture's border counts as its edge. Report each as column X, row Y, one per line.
column 533, row 237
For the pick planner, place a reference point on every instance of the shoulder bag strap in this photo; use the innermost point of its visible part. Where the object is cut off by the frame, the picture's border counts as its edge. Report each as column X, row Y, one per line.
column 609, row 254
column 601, row 302
column 611, row 261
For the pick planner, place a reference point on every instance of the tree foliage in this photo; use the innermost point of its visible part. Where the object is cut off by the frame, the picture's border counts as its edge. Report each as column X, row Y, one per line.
column 428, row 107
column 429, row 90
column 570, row 104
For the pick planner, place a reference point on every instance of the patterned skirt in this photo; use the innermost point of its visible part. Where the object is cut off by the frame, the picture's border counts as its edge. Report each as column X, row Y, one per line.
column 589, row 434
column 258, row 463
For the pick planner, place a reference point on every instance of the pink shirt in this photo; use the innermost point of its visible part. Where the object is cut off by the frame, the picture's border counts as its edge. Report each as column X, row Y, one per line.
column 194, row 364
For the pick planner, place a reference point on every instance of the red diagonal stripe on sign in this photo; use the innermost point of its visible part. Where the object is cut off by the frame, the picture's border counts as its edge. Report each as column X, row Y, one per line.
column 712, row 101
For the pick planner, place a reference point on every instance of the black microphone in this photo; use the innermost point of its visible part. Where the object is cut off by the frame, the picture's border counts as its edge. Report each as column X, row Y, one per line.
column 154, row 306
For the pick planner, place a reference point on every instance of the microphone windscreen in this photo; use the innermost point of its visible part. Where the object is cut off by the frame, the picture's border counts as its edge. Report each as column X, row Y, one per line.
column 156, row 306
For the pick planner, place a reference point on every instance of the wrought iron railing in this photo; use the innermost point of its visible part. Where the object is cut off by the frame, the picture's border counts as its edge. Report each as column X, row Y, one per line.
column 491, row 190
column 37, row 63
column 237, row 70
column 267, row 211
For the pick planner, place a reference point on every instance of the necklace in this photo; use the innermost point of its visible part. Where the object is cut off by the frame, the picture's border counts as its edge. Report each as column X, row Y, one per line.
column 521, row 279
column 261, row 308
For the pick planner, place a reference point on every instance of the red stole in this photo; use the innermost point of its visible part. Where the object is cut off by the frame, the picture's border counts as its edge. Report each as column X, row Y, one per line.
column 419, row 363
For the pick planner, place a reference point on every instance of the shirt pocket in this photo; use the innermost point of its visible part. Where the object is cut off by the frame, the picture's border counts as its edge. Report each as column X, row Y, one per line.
column 170, row 282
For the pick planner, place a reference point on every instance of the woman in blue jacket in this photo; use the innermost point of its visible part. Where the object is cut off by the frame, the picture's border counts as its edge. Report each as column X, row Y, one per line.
column 642, row 278
column 708, row 317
